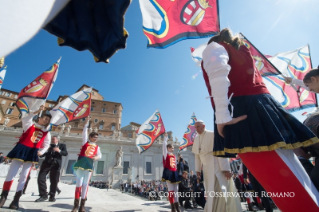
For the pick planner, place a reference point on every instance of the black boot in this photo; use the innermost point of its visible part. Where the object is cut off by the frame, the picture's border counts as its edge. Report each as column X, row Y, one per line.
column 177, row 207
column 15, row 203
column 82, row 209
column 3, row 198
column 76, row 205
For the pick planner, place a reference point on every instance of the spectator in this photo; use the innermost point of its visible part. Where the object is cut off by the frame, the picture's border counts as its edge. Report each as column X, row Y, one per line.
column 1, row 158
column 200, row 198
column 185, row 191
column 182, row 165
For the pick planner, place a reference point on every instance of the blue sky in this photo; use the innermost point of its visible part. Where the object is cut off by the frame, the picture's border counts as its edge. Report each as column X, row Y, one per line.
column 144, row 80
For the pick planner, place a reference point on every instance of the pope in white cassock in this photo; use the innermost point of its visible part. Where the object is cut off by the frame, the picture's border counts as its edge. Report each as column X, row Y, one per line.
column 216, row 171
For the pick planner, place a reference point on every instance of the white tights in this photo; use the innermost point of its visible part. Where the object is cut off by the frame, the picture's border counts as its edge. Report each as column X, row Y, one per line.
column 173, row 187
column 13, row 170
column 82, row 180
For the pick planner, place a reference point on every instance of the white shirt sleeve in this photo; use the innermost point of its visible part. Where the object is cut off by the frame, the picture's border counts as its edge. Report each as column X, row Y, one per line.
column 46, row 143
column 299, row 83
column 85, row 134
column 99, row 154
column 27, row 121
column 164, row 147
column 223, row 164
column 215, row 59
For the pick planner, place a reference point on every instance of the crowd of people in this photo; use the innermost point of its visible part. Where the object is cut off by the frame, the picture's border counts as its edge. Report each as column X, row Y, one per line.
column 100, row 184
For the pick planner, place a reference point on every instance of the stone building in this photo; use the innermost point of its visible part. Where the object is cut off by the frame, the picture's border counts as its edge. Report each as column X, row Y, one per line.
column 106, row 120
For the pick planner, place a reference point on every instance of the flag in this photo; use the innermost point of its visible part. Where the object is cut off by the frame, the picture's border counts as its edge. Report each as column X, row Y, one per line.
column 197, row 54
column 94, row 25
column 74, row 107
column 2, row 75
column 295, row 64
column 261, row 62
column 35, row 94
column 149, row 131
column 166, row 22
column 190, row 134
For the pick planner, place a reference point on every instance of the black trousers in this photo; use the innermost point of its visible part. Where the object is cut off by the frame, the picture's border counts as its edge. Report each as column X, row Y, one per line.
column 258, row 188
column 54, row 179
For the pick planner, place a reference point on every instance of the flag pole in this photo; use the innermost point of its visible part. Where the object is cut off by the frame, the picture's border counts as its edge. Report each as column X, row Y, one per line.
column 311, row 68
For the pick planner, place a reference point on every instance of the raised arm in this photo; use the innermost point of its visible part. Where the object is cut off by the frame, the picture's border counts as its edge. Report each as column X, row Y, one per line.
column 215, row 63
column 85, row 131
column 164, row 145
column 297, row 82
column 28, row 120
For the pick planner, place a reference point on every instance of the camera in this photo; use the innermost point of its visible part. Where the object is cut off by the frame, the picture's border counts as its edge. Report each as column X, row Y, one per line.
column 52, row 160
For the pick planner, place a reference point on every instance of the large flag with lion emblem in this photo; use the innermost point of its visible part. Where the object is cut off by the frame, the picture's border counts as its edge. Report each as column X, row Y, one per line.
column 190, row 134
column 166, row 22
column 149, row 131
column 73, row 107
column 35, row 94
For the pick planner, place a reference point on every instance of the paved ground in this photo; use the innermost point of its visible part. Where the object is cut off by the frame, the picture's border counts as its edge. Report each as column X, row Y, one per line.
column 98, row 200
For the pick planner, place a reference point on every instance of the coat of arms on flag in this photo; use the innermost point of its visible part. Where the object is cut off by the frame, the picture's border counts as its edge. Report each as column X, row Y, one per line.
column 149, row 131
column 73, row 107
column 167, row 22
column 190, row 134
column 35, row 94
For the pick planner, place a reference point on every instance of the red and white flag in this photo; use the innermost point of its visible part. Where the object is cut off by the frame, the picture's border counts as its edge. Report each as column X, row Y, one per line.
column 74, row 107
column 149, row 131
column 35, row 94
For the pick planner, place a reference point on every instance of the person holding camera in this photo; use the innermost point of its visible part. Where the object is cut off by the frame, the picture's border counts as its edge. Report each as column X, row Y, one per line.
column 52, row 164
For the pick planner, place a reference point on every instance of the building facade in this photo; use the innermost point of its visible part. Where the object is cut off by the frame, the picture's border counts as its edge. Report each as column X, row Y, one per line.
column 106, row 121
column 145, row 166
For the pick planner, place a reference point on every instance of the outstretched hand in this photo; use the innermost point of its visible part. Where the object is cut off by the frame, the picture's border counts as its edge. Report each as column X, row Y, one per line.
column 288, row 80
column 220, row 127
column 88, row 119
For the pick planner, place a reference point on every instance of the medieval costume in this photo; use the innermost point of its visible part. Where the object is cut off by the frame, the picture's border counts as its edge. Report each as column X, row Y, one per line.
column 170, row 176
column 35, row 138
column 83, row 169
column 265, row 139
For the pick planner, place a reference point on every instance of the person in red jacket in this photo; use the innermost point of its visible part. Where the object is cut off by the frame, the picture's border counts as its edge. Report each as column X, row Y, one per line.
column 84, row 166
column 34, row 142
column 250, row 122
column 170, row 174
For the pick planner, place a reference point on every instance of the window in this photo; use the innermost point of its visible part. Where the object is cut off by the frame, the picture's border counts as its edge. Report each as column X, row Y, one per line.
column 103, row 110
column 100, row 167
column 96, row 120
column 113, row 127
column 69, row 169
column 1, row 92
column 9, row 111
column 148, row 167
column 129, row 135
column 15, row 96
column 76, row 124
column 8, row 94
column 83, row 119
column 101, row 126
column 125, row 167
column 3, row 102
column 12, row 104
column 51, row 105
column 92, row 108
column 115, row 111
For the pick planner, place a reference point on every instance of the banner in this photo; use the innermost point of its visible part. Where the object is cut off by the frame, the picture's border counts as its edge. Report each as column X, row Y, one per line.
column 149, row 131
column 165, row 22
column 2, row 75
column 73, row 107
column 35, row 94
column 190, row 134
column 295, row 64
